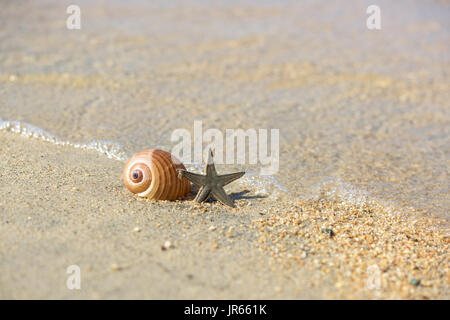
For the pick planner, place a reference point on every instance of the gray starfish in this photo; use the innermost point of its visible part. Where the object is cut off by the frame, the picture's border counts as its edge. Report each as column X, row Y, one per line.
column 211, row 183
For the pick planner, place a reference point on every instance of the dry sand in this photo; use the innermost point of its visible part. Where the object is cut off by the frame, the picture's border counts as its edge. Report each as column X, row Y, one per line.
column 364, row 149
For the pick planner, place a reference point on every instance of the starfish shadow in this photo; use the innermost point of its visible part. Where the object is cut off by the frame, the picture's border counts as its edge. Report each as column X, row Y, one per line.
column 242, row 195
column 235, row 195
column 193, row 193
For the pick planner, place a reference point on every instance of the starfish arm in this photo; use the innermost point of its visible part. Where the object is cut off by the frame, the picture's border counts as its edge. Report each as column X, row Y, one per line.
column 196, row 178
column 221, row 195
column 210, row 168
column 228, row 178
column 203, row 194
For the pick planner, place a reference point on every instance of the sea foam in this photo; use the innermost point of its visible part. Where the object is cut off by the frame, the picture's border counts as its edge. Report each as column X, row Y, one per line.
column 110, row 149
column 332, row 187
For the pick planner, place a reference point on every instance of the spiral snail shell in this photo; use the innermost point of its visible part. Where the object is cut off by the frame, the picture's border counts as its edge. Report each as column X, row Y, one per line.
column 153, row 174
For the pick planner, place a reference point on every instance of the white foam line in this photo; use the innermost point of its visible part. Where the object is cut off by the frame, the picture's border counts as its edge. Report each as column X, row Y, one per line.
column 332, row 186
column 111, row 149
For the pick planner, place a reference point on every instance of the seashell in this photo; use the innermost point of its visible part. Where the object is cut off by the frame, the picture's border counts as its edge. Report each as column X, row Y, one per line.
column 153, row 174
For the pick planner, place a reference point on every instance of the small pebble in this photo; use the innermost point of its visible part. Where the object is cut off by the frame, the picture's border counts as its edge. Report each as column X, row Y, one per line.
column 328, row 231
column 115, row 267
column 230, row 232
column 415, row 282
column 167, row 245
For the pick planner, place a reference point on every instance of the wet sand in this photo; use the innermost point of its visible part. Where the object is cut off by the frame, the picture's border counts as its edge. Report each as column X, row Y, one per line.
column 364, row 135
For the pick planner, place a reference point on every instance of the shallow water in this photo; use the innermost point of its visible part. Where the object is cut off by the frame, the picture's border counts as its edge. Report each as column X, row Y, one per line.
column 362, row 114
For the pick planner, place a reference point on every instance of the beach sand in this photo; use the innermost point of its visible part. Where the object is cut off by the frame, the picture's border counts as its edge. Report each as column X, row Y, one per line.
column 359, row 206
column 63, row 206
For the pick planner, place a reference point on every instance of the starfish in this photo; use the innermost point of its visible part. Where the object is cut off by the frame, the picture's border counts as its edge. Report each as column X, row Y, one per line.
column 211, row 183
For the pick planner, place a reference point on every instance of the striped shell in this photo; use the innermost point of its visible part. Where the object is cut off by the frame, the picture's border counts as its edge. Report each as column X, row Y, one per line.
column 153, row 174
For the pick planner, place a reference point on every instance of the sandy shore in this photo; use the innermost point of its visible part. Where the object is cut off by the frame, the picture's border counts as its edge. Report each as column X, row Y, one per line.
column 63, row 206
column 356, row 209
